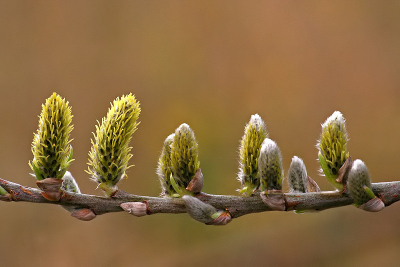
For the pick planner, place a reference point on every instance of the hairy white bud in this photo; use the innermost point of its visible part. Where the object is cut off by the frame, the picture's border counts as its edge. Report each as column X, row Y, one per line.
column 297, row 176
column 199, row 210
column 69, row 184
column 270, row 168
column 360, row 188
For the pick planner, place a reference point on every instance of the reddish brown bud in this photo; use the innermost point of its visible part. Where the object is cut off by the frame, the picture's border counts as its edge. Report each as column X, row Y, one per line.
column 196, row 184
column 137, row 209
column 373, row 205
column 51, row 188
column 312, row 186
column 222, row 218
column 83, row 214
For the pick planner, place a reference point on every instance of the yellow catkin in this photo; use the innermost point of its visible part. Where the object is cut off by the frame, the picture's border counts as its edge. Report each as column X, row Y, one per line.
column 52, row 152
column 109, row 154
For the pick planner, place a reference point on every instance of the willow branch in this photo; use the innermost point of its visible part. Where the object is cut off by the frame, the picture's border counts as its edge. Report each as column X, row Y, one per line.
column 388, row 192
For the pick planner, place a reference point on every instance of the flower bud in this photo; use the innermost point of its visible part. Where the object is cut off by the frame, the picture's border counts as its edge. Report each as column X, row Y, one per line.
column 109, row 154
column 69, row 184
column 270, row 168
column 360, row 188
column 199, row 210
column 184, row 161
column 332, row 148
column 164, row 168
column 297, row 176
column 249, row 151
column 52, row 152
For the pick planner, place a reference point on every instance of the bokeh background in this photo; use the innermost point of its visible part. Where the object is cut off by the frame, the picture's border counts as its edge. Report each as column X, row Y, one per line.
column 211, row 64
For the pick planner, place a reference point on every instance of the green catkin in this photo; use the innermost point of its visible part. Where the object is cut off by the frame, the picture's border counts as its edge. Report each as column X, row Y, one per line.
column 184, row 157
column 51, row 149
column 110, row 151
column 164, row 168
column 332, row 147
column 254, row 134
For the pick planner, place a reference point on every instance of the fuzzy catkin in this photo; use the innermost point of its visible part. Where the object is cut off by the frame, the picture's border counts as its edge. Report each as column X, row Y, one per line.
column 254, row 134
column 333, row 142
column 164, row 167
column 332, row 147
column 297, row 176
column 184, row 155
column 270, row 166
column 359, row 183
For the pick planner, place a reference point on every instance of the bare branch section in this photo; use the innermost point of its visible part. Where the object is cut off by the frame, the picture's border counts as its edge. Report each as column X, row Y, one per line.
column 388, row 192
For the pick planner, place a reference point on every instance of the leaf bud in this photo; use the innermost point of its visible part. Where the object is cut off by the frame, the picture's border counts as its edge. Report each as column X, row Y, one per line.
column 137, row 209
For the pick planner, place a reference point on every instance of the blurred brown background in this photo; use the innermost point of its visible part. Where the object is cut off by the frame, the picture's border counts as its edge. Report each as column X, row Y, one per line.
column 211, row 64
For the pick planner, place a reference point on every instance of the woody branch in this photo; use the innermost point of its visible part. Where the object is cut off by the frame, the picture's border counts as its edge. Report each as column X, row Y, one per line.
column 388, row 192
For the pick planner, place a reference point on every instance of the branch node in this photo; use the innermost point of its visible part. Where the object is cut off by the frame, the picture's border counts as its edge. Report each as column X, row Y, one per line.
column 274, row 199
column 14, row 195
column 6, row 198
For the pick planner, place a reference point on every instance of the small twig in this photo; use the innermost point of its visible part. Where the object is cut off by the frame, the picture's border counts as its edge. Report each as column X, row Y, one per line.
column 237, row 206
